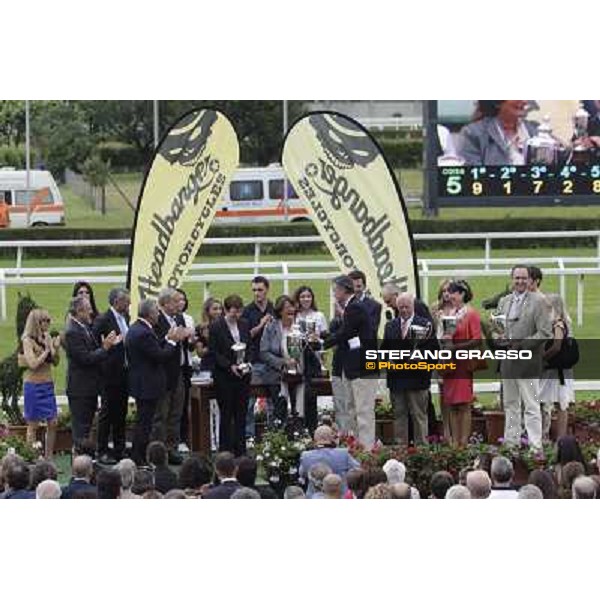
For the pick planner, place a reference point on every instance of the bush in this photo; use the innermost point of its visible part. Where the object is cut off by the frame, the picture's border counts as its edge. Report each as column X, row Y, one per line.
column 406, row 154
column 122, row 157
column 12, row 156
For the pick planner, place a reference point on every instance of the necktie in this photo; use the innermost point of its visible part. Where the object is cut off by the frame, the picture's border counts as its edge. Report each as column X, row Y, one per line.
column 404, row 328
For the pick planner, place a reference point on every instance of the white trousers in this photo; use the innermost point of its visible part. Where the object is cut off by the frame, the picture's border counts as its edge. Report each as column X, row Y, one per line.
column 354, row 401
column 522, row 394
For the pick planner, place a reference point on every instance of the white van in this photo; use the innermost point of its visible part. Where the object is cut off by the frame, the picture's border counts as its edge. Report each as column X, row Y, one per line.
column 39, row 205
column 256, row 195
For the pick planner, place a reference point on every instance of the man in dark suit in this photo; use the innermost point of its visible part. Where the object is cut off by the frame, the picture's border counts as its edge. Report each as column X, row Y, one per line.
column 167, row 419
column 231, row 384
column 409, row 390
column 114, row 389
column 226, row 472
column 354, row 393
column 85, row 355
column 373, row 308
column 83, row 471
column 146, row 355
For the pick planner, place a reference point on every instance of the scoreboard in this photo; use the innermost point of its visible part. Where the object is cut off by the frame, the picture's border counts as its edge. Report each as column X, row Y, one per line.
column 533, row 184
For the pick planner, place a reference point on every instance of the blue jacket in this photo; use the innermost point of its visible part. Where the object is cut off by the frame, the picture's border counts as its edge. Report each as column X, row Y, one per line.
column 339, row 460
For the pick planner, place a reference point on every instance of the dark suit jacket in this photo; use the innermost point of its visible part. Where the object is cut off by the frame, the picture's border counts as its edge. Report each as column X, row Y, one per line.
column 172, row 365
column 355, row 323
column 75, row 485
column 220, row 342
column 165, row 479
column 223, row 491
column 392, row 340
column 113, row 368
column 85, row 357
column 146, row 355
column 374, row 311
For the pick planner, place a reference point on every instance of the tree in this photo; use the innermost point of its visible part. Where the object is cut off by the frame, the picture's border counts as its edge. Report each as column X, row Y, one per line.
column 96, row 172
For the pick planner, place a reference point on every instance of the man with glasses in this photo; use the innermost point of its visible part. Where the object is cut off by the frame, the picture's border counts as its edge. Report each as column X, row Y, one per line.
column 257, row 314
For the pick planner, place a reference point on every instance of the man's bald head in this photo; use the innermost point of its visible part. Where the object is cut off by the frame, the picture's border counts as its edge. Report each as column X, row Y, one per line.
column 48, row 490
column 479, row 484
column 324, row 436
column 83, row 467
column 406, row 305
column 584, row 488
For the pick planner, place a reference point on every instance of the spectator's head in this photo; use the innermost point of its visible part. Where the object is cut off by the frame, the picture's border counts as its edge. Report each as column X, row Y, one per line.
column 343, row 288
column 355, row 480
column 233, row 306
column 389, row 294
column 4, row 464
column 152, row 495
column 156, row 454
column 479, row 484
column 569, row 473
column 225, row 465
column 83, row 289
column 530, row 492
column 484, row 462
column 245, row 493
column 246, row 471
column 460, row 292
column 316, row 475
column 458, row 492
column 359, row 281
column 374, row 476
column 506, row 110
column 194, row 473
column 401, row 491
column 260, row 289
column 181, row 300
column 324, row 437
column 332, row 486
column 441, row 482
column 127, row 468
column 175, row 494
column 544, row 481
column 502, row 471
column 36, row 324
column 520, row 278
column 443, row 294
column 381, row 491
column 167, row 301
column 148, row 310
column 17, row 474
column 83, row 467
column 395, row 471
column 48, row 490
column 120, row 300
column 284, row 308
column 568, row 450
column 108, row 482
column 211, row 310
column 43, row 470
column 584, row 488
column 406, row 305
column 293, row 492
column 143, row 481
column 81, row 309
column 304, row 298
column 535, row 278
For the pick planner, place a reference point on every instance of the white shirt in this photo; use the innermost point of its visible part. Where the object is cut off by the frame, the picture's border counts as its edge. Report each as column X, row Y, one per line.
column 233, row 329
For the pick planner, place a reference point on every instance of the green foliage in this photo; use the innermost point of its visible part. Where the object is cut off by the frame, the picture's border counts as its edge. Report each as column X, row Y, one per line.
column 96, row 171
column 12, row 122
column 12, row 156
column 404, row 154
column 25, row 305
column 120, row 155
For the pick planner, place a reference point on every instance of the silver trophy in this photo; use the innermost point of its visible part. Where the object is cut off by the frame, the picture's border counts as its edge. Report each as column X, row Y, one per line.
column 449, row 323
column 499, row 323
column 310, row 325
column 543, row 148
column 239, row 350
column 294, row 342
column 581, row 119
column 419, row 332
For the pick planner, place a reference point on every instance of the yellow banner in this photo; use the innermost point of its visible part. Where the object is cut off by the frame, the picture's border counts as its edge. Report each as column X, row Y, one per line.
column 178, row 201
column 334, row 164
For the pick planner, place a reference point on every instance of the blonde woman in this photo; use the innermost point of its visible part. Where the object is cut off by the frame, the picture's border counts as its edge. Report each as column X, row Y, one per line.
column 554, row 389
column 39, row 353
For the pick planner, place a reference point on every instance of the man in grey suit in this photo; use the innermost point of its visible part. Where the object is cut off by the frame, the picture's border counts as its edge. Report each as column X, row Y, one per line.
column 528, row 325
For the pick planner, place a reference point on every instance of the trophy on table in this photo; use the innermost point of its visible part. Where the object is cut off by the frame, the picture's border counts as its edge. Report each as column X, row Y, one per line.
column 581, row 119
column 239, row 350
column 294, row 339
column 543, row 148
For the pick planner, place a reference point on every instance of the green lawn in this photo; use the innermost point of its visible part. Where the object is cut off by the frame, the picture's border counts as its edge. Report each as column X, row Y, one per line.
column 56, row 297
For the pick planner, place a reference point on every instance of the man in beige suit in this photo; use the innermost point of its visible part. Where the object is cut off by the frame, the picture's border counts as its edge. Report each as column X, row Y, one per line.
column 528, row 325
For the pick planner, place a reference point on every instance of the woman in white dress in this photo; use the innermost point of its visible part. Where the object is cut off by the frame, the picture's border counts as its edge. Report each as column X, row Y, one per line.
column 553, row 391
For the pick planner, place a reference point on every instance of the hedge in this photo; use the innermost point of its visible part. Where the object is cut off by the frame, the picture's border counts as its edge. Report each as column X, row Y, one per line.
column 303, row 229
column 12, row 156
column 122, row 157
column 407, row 154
